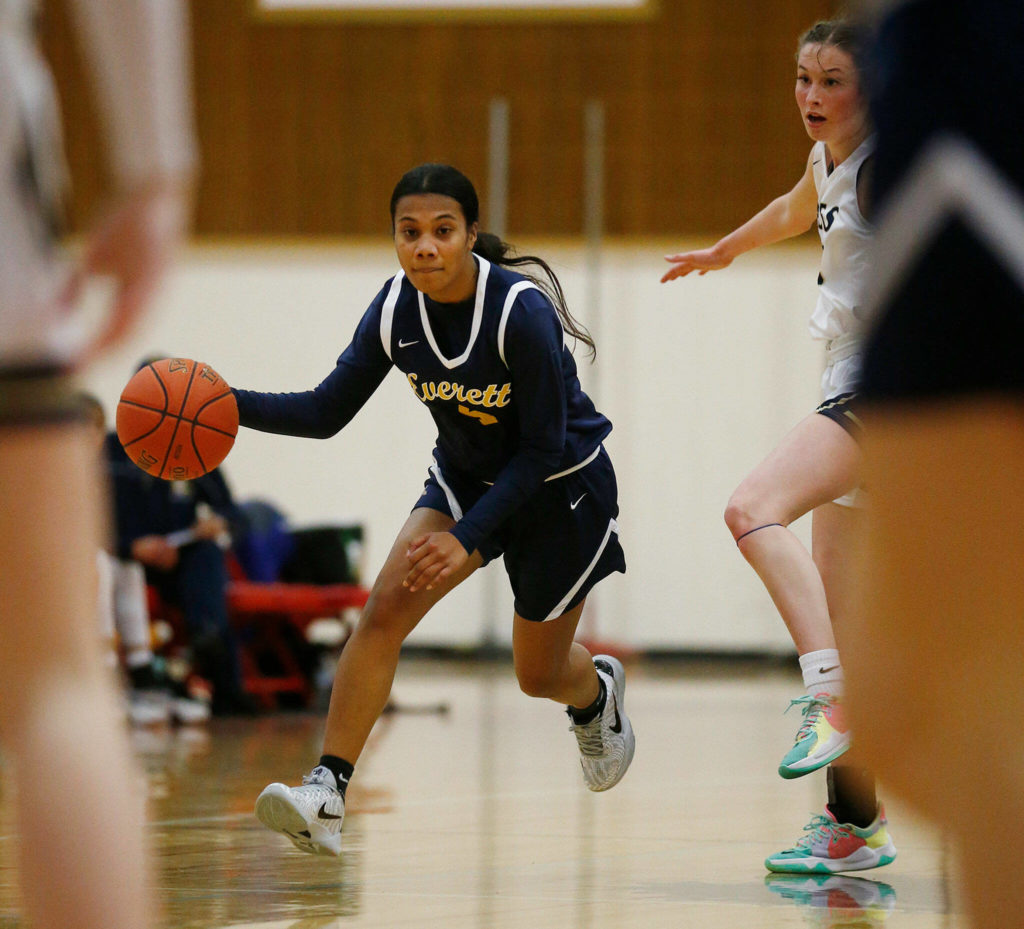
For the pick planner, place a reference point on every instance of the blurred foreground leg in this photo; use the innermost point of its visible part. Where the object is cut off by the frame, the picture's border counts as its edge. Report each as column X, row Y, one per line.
column 79, row 806
column 934, row 667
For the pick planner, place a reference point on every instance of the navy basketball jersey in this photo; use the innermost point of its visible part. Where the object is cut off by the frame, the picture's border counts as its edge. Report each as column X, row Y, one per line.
column 494, row 373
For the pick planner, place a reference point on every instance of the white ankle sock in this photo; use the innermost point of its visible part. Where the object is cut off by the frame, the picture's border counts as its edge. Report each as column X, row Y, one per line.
column 822, row 672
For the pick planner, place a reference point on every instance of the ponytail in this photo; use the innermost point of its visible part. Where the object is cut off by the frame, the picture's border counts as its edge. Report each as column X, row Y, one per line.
column 494, row 250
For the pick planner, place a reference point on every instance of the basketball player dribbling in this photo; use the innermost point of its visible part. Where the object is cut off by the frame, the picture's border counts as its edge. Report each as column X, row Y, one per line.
column 519, row 470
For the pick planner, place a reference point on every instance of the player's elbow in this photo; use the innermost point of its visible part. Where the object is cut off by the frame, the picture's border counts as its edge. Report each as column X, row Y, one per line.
column 325, row 422
column 324, row 431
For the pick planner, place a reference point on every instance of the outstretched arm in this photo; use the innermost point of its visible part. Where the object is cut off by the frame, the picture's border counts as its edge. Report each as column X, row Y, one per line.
column 312, row 414
column 784, row 217
column 325, row 410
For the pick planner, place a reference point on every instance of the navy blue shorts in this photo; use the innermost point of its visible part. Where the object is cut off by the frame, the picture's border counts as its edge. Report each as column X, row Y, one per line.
column 557, row 545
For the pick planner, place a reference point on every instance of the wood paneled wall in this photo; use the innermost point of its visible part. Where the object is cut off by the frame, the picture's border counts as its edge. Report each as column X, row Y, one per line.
column 305, row 127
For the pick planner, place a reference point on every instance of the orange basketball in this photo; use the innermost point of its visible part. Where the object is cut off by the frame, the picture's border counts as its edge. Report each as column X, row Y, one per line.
column 177, row 419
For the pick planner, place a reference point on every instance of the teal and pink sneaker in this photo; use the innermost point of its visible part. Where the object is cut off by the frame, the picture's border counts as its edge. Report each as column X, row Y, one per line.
column 830, row 846
column 836, row 901
column 822, row 737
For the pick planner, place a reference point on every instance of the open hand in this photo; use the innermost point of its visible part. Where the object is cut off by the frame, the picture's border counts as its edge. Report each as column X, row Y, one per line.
column 701, row 261
column 133, row 244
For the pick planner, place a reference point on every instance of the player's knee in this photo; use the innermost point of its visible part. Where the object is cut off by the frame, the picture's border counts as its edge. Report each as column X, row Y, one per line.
column 741, row 514
column 538, row 681
column 384, row 618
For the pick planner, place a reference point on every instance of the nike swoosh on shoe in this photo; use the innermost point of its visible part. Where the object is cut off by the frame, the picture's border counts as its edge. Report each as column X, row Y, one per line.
column 617, row 727
column 323, row 814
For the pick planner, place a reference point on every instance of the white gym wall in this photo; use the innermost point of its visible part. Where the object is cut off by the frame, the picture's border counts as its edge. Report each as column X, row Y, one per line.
column 699, row 377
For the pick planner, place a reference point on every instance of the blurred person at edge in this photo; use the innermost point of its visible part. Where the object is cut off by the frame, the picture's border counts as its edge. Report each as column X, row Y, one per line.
column 83, row 863
column 934, row 668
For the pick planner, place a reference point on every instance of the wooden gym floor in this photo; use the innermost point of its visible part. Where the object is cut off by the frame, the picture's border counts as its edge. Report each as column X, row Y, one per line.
column 477, row 817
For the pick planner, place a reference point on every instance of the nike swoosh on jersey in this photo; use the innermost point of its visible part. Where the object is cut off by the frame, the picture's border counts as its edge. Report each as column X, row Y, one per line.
column 572, row 506
column 402, row 344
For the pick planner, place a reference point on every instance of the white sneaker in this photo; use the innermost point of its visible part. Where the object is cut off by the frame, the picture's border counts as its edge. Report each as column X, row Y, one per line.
column 188, row 711
column 309, row 815
column 148, row 707
column 606, row 743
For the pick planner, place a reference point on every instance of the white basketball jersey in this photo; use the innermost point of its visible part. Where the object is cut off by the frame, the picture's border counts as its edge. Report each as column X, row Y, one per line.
column 137, row 52
column 845, row 242
column 32, row 182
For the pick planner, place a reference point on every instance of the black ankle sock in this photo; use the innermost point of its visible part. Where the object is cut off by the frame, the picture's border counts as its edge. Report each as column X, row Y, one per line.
column 851, row 795
column 340, row 768
column 143, row 677
column 590, row 712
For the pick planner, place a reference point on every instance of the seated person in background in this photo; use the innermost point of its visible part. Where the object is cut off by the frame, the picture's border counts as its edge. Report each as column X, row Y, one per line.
column 174, row 529
column 123, row 610
column 153, row 697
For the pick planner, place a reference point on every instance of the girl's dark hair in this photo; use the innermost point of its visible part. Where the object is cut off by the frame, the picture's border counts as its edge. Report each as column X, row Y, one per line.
column 450, row 182
column 850, row 36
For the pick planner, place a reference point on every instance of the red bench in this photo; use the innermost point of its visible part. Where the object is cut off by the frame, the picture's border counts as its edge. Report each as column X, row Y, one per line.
column 263, row 612
column 268, row 617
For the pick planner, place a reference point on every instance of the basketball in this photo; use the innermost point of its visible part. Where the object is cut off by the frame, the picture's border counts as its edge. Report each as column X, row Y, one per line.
column 177, row 419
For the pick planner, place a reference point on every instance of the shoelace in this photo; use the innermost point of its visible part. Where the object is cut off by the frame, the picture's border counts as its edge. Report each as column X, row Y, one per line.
column 812, row 709
column 316, row 779
column 820, row 826
column 588, row 736
column 318, row 792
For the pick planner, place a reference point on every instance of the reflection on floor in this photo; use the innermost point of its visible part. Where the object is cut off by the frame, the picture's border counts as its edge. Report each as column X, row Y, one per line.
column 477, row 817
